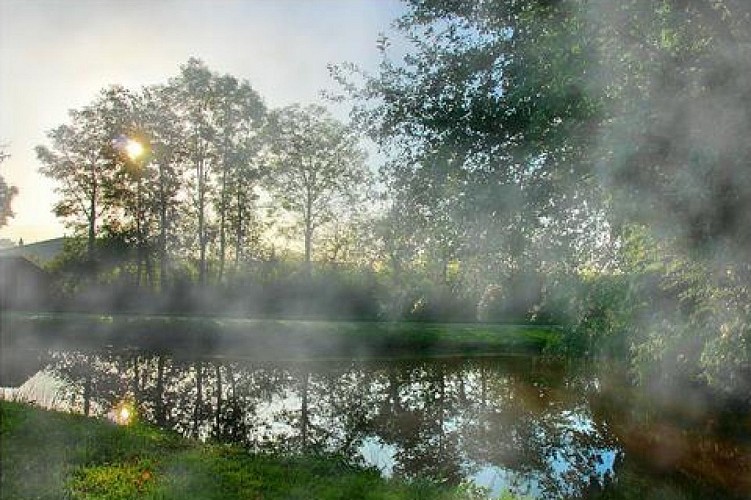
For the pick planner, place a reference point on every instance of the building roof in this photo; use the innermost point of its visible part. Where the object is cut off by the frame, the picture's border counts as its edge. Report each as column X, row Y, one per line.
column 41, row 252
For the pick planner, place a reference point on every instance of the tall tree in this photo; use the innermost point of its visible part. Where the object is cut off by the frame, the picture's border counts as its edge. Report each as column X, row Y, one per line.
column 222, row 116
column 241, row 217
column 486, row 120
column 317, row 167
column 194, row 93
column 238, row 116
column 81, row 159
column 166, row 137
column 569, row 109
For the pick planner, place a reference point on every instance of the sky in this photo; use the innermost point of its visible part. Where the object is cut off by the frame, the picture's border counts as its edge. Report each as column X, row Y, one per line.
column 55, row 55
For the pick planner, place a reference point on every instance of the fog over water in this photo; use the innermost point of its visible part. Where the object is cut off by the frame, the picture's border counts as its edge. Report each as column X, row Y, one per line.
column 252, row 273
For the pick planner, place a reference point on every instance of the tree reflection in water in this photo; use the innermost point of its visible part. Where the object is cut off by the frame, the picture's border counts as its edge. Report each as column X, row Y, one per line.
column 524, row 424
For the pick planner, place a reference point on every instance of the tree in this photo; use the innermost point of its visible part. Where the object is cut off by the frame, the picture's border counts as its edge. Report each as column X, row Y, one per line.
column 82, row 160
column 567, row 117
column 238, row 118
column 318, row 167
column 240, row 197
column 165, row 132
column 194, row 99
column 7, row 193
column 487, row 121
column 221, row 117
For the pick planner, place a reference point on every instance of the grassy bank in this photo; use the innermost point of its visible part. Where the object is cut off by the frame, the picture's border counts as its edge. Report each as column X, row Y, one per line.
column 268, row 338
column 55, row 455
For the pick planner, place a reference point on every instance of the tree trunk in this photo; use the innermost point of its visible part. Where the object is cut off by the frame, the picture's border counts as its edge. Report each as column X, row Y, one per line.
column 159, row 403
column 308, row 231
column 201, row 223
column 162, row 230
column 304, row 419
column 218, row 414
column 308, row 238
column 199, row 397
column 222, row 220
column 393, row 390
column 90, row 244
column 139, row 233
column 136, row 380
column 239, row 233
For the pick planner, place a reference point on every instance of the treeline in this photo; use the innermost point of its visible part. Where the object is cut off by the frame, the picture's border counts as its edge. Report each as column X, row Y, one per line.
column 597, row 145
column 552, row 161
column 192, row 196
column 195, row 182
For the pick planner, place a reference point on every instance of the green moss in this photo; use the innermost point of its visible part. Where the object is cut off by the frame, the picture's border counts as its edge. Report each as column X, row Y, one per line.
column 55, row 455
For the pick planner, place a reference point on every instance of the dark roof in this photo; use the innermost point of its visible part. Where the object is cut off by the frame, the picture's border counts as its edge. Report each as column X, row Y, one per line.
column 41, row 251
column 19, row 264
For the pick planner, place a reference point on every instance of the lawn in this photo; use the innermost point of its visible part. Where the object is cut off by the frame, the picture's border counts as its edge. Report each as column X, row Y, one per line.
column 55, row 455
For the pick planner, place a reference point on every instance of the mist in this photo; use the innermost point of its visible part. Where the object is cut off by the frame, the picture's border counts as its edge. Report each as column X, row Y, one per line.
column 520, row 263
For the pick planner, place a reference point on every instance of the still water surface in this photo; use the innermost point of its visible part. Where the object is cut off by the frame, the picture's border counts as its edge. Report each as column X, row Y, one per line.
column 533, row 426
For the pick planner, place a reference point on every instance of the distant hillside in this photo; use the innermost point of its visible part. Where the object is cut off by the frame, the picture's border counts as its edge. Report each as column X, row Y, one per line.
column 41, row 252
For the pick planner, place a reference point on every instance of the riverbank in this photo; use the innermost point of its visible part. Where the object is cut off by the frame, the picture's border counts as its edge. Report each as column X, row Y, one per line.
column 265, row 338
column 48, row 454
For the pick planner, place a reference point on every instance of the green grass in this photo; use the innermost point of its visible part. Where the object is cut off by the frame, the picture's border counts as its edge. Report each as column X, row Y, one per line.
column 282, row 338
column 55, row 455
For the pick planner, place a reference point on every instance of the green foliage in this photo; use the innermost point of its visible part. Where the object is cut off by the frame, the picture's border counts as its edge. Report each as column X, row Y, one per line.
column 121, row 481
column 318, row 168
column 53, row 455
column 517, row 128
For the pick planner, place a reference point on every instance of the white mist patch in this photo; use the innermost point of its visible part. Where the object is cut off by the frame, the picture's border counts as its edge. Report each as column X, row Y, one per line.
column 44, row 390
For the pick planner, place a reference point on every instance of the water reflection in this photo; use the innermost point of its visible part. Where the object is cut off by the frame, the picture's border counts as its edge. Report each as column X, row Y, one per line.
column 521, row 424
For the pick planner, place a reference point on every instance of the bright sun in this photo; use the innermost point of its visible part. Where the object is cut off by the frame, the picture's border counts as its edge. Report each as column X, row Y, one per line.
column 134, row 149
column 124, row 414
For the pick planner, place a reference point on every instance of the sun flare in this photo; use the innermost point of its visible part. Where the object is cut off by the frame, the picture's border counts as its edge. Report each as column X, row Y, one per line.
column 123, row 413
column 134, row 149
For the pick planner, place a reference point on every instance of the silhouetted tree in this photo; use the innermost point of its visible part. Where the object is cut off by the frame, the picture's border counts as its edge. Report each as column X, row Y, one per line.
column 317, row 167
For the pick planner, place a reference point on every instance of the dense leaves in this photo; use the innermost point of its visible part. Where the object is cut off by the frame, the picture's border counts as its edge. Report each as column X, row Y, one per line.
column 542, row 135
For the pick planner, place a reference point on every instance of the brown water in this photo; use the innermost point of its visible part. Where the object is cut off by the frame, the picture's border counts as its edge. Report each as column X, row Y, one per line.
column 532, row 426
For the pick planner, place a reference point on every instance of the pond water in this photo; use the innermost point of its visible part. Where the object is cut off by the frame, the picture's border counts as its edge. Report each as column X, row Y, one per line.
column 533, row 426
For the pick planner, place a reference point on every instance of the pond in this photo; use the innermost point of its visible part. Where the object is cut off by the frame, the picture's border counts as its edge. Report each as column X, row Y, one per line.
column 533, row 426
